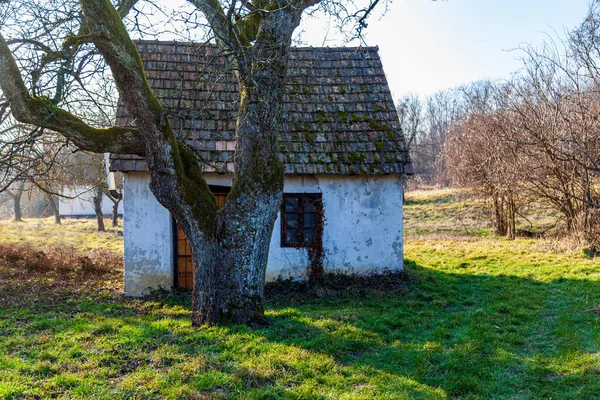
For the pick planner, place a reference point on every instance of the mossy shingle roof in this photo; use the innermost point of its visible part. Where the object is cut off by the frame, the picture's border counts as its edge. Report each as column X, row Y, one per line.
column 338, row 116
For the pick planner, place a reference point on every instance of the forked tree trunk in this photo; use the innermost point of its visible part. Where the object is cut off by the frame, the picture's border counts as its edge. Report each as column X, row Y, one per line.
column 229, row 276
column 229, row 245
column 115, row 208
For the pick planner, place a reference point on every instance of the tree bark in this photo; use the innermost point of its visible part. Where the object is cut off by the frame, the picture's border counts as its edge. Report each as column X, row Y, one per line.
column 229, row 281
column 115, row 208
column 97, row 200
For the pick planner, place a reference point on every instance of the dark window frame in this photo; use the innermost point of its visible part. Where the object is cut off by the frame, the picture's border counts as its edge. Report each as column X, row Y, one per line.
column 301, row 213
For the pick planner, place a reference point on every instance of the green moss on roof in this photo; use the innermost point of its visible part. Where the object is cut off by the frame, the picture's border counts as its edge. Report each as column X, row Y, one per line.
column 321, row 116
column 378, row 126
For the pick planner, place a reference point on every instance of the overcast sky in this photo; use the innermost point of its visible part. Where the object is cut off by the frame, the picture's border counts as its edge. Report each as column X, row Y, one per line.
column 429, row 45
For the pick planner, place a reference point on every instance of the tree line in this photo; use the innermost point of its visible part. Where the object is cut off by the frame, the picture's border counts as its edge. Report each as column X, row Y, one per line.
column 534, row 137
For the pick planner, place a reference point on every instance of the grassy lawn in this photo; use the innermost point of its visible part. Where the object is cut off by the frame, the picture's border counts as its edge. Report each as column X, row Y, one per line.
column 477, row 317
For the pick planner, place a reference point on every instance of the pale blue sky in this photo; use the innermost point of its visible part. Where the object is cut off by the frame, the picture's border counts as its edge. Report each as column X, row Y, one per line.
column 427, row 46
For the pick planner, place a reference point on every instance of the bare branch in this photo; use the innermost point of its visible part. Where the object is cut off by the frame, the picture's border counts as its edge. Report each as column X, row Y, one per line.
column 40, row 112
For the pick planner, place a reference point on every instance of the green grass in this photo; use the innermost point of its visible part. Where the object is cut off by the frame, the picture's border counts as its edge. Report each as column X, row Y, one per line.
column 480, row 318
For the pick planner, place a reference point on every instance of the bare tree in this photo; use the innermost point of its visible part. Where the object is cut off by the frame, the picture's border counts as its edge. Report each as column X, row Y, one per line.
column 478, row 156
column 425, row 125
column 538, row 135
column 410, row 113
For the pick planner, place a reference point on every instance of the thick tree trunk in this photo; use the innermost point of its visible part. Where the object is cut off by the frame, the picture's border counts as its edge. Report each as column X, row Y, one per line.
column 231, row 289
column 97, row 200
column 229, row 281
column 230, row 245
column 54, row 208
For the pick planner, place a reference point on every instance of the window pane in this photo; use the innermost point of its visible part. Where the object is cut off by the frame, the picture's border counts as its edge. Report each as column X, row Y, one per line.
column 291, row 204
column 309, row 205
column 308, row 235
column 291, row 236
column 291, row 220
column 310, row 220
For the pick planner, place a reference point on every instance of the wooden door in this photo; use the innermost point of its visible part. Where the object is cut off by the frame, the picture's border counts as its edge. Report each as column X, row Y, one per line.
column 184, row 263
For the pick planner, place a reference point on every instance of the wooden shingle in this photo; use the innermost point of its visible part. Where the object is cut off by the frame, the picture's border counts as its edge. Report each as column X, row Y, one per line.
column 338, row 116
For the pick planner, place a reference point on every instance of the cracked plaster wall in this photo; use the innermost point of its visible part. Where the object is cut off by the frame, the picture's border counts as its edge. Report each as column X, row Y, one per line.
column 362, row 232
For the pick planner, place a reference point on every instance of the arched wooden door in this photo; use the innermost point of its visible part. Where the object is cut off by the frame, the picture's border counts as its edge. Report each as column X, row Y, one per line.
column 184, row 263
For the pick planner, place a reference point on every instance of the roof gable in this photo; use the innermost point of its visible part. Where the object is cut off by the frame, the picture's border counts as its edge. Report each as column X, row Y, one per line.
column 338, row 116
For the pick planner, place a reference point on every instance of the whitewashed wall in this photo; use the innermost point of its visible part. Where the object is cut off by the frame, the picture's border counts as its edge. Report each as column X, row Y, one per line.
column 362, row 233
column 82, row 204
column 363, row 225
column 148, row 238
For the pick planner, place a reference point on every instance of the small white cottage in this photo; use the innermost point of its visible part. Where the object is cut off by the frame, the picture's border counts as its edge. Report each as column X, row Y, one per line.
column 341, row 144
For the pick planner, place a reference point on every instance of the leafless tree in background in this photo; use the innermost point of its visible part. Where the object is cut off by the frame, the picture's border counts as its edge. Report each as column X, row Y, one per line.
column 538, row 135
column 425, row 124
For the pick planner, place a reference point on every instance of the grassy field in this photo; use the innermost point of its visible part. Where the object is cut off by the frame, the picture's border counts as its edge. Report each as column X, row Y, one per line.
column 475, row 317
column 78, row 233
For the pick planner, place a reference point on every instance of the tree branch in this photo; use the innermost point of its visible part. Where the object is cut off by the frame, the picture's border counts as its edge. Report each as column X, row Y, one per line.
column 41, row 112
column 220, row 24
column 176, row 178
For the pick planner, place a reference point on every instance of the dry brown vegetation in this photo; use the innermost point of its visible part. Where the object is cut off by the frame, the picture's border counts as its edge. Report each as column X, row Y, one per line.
column 536, row 137
column 29, row 275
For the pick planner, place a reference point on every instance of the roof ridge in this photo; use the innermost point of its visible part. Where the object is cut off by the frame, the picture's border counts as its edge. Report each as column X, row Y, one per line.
column 297, row 48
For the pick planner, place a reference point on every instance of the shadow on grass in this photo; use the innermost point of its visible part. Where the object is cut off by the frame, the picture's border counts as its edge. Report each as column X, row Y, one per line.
column 455, row 335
